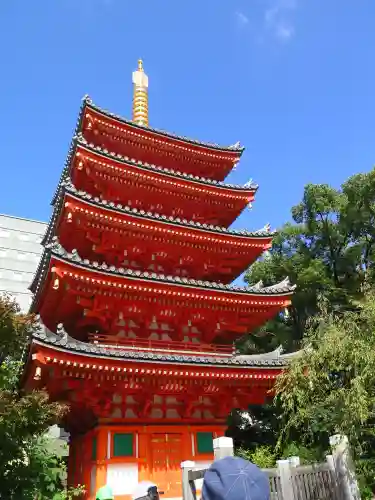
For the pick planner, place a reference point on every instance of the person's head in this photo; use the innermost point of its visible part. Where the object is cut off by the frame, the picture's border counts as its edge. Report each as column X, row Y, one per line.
column 234, row 478
column 146, row 490
column 104, row 493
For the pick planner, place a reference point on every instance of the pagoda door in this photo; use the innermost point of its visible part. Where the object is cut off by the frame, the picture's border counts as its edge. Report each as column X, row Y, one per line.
column 166, row 452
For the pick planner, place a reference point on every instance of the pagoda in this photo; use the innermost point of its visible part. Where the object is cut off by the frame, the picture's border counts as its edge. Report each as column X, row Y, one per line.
column 137, row 314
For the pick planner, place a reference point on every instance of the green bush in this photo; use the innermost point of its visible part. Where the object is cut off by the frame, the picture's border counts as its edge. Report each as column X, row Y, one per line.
column 263, row 456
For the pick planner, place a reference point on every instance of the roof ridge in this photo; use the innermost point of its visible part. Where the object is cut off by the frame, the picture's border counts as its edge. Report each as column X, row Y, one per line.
column 61, row 339
column 235, row 148
column 68, row 185
column 284, row 287
column 249, row 186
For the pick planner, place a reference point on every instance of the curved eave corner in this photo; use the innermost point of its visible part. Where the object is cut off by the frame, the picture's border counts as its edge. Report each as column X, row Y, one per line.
column 54, row 249
column 67, row 187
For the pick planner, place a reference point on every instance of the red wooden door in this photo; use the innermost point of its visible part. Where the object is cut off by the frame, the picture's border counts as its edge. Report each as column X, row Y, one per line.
column 166, row 452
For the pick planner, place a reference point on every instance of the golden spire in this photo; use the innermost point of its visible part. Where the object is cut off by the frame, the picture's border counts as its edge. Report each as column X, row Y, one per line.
column 140, row 96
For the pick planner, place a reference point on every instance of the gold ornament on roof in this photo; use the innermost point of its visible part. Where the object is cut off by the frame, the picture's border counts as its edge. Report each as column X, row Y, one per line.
column 140, row 96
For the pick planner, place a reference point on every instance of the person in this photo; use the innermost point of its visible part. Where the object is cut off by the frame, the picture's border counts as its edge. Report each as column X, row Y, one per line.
column 104, row 493
column 233, row 478
column 146, row 490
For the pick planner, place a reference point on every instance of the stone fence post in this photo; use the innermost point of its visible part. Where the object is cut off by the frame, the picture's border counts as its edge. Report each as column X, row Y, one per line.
column 344, row 467
column 285, row 473
column 223, row 447
column 294, row 461
column 186, row 467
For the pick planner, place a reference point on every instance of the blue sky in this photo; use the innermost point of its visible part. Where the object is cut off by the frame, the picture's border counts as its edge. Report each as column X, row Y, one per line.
column 292, row 80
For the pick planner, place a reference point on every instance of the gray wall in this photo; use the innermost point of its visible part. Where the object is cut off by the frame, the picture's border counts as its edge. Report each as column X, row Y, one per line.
column 20, row 252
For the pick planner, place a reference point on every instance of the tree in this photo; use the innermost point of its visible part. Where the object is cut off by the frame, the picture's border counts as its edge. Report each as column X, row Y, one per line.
column 27, row 468
column 258, row 426
column 330, row 387
column 328, row 251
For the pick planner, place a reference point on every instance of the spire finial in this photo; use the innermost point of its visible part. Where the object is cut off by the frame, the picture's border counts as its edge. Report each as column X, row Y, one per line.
column 140, row 96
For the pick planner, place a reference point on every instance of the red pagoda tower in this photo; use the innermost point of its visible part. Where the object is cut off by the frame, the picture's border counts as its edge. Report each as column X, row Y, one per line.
column 138, row 317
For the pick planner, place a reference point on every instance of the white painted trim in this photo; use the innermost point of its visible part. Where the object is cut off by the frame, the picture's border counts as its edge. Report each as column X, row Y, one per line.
column 109, row 445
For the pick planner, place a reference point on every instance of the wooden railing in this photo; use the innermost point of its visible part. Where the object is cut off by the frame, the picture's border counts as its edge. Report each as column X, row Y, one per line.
column 162, row 345
column 333, row 479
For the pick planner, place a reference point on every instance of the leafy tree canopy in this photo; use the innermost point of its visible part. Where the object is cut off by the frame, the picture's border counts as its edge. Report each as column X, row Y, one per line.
column 327, row 251
column 27, row 468
column 330, row 388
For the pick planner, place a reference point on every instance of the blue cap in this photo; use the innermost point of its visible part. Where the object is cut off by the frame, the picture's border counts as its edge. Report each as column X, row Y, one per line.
column 234, row 478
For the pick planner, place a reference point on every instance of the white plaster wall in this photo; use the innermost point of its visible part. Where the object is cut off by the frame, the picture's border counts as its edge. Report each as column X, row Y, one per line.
column 20, row 252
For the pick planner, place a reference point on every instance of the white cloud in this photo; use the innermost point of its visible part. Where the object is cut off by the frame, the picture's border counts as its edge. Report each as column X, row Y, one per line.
column 284, row 32
column 242, row 18
column 278, row 19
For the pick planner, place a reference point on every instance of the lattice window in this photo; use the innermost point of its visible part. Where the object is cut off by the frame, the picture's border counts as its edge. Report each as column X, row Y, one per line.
column 123, row 445
column 205, row 442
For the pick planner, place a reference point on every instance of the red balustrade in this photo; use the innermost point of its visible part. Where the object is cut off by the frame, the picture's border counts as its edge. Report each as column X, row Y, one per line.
column 162, row 345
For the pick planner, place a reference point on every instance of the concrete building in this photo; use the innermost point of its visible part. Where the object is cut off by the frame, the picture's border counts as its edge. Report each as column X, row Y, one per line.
column 20, row 252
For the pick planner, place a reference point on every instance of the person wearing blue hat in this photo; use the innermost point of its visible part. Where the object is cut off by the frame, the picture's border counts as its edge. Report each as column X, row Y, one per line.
column 233, row 478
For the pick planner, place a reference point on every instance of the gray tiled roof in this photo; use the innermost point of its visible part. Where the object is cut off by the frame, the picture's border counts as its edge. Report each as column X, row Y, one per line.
column 61, row 340
column 202, row 181
column 234, row 148
column 55, row 249
column 86, row 102
column 67, row 186
column 251, row 186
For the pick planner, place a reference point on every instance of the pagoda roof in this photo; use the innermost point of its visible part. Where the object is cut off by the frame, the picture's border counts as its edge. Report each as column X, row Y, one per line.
column 54, row 249
column 235, row 148
column 79, row 140
column 63, row 342
column 68, row 187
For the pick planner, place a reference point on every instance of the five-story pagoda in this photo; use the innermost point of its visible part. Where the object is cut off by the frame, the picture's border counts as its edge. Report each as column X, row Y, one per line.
column 138, row 318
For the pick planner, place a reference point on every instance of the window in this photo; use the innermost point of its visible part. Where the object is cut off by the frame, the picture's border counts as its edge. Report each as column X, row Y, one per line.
column 205, row 442
column 122, row 445
column 94, row 448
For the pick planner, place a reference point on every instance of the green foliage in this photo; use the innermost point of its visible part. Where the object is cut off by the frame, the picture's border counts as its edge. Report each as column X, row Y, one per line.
column 263, row 456
column 258, row 426
column 28, row 470
column 307, row 455
column 366, row 477
column 329, row 389
column 328, row 252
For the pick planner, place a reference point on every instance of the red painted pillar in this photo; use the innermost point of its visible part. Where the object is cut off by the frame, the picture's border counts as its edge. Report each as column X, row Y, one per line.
column 101, row 458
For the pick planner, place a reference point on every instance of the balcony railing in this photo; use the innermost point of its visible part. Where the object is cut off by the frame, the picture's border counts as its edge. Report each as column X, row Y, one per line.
column 162, row 345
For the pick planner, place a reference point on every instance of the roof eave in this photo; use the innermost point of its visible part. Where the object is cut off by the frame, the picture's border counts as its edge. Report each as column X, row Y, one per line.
column 238, row 151
column 55, row 250
column 124, row 160
column 68, row 188
column 73, row 347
